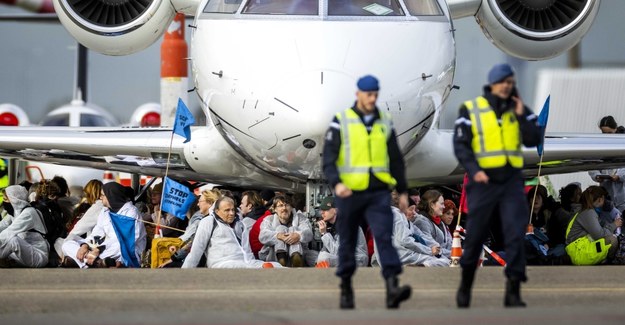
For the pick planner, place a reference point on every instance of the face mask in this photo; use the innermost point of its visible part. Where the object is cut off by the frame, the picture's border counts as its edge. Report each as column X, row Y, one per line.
column 8, row 207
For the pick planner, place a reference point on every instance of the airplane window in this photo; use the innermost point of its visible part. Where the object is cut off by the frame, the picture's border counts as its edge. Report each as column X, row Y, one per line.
column 222, row 6
column 56, row 120
column 364, row 8
column 93, row 120
column 282, row 7
column 423, row 7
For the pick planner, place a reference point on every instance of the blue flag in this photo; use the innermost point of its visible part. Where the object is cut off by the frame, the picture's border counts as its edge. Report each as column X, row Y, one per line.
column 177, row 198
column 125, row 230
column 183, row 122
column 542, row 123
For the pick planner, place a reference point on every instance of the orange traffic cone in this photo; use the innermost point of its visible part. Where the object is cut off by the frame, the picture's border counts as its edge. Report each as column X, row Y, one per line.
column 108, row 177
column 323, row 265
column 456, row 250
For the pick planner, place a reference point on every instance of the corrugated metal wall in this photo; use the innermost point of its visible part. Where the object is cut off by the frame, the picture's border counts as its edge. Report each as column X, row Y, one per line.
column 579, row 99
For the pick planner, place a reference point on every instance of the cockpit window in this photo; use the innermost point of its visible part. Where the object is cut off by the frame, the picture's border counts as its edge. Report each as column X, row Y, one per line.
column 94, row 120
column 56, row 120
column 423, row 7
column 282, row 7
column 222, row 6
column 364, row 8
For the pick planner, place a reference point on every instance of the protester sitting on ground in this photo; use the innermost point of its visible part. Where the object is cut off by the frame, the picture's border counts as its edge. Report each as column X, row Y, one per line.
column 587, row 243
column 62, row 198
column 539, row 219
column 206, row 205
column 285, row 235
column 79, row 252
column 329, row 254
column 449, row 213
column 569, row 205
column 252, row 208
column 217, row 239
column 84, row 222
column 432, row 206
column 22, row 241
column 166, row 219
column 409, row 241
column 267, row 200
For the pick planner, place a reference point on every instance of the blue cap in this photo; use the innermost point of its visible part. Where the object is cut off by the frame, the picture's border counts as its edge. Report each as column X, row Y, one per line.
column 368, row 83
column 499, row 72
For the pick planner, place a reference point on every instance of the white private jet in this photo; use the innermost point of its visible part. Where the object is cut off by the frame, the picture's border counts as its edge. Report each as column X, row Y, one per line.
column 270, row 75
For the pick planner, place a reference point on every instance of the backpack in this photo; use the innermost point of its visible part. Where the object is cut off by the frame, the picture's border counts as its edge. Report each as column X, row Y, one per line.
column 54, row 221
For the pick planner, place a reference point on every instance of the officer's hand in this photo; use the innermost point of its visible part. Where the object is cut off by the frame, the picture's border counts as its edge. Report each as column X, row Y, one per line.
column 519, row 108
column 480, row 177
column 322, row 227
column 342, row 191
column 403, row 202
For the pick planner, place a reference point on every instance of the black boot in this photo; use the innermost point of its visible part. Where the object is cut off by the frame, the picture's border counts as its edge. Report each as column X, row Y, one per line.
column 463, row 296
column 396, row 294
column 282, row 258
column 513, row 294
column 347, row 294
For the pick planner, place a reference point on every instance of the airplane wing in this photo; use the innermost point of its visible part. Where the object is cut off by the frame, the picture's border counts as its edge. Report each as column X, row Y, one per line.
column 433, row 161
column 207, row 157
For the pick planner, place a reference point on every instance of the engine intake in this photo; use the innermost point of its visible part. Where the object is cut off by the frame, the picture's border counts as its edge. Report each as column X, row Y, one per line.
column 536, row 29
column 115, row 27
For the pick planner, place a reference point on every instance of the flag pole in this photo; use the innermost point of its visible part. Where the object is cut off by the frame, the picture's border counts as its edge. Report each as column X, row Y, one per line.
column 540, row 166
column 542, row 122
column 158, row 213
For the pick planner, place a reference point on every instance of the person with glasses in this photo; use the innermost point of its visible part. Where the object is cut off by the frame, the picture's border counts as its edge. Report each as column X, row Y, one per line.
column 285, row 235
column 488, row 136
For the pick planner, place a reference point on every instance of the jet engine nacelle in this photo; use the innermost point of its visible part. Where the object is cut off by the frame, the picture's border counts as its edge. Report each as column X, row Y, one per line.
column 536, row 29
column 115, row 27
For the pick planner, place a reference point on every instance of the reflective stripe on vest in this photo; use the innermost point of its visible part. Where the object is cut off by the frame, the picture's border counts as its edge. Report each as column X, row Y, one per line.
column 363, row 152
column 495, row 143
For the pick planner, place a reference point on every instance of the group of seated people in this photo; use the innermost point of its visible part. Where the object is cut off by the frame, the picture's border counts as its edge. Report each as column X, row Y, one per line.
column 269, row 230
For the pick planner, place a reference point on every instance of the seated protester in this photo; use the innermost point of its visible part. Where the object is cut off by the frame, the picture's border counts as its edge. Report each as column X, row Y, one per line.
column 539, row 218
column 285, row 235
column 569, row 205
column 408, row 239
column 22, row 232
column 432, row 206
column 166, row 219
column 329, row 254
column 62, row 198
column 105, row 250
column 449, row 212
column 252, row 208
column 587, row 243
column 85, row 221
column 206, row 205
column 217, row 239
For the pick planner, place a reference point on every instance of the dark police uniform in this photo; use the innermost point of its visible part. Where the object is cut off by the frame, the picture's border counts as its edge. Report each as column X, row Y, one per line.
column 362, row 153
column 488, row 137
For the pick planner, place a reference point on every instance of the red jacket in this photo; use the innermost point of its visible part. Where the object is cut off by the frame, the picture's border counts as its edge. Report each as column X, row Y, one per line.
column 255, row 244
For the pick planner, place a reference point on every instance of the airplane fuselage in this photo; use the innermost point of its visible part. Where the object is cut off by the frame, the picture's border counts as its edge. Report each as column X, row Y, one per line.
column 271, row 84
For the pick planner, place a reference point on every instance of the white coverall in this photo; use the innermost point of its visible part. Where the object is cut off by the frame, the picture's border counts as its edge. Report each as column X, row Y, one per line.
column 271, row 227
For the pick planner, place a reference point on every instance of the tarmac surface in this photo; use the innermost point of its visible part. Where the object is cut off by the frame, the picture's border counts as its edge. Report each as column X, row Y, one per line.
column 562, row 294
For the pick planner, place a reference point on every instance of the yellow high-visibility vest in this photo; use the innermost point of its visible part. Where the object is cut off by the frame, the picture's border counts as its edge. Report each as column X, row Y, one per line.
column 4, row 180
column 363, row 152
column 495, row 143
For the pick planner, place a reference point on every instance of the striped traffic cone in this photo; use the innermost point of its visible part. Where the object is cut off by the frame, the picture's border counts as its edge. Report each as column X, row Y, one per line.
column 456, row 250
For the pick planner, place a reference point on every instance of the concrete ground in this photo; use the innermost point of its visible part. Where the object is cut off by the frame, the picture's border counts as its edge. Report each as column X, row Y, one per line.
column 566, row 295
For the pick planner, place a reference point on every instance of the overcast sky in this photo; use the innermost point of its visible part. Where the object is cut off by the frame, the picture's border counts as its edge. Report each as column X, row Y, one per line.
column 37, row 65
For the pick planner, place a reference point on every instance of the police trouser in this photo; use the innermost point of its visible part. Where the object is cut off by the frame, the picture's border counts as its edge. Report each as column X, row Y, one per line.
column 375, row 207
column 482, row 199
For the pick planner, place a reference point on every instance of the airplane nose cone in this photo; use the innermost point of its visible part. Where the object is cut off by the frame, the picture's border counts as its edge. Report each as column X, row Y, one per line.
column 314, row 97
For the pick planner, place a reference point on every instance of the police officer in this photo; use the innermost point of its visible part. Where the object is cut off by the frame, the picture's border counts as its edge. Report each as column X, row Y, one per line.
column 487, row 142
column 362, row 163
